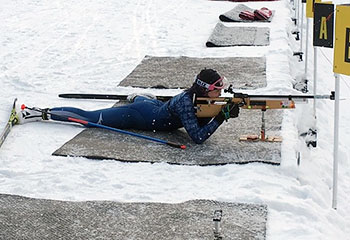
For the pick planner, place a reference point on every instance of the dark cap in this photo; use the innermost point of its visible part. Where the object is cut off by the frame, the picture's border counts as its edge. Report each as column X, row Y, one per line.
column 208, row 75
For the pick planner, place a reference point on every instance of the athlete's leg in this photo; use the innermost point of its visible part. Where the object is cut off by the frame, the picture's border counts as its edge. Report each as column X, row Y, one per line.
column 62, row 113
column 118, row 117
column 143, row 114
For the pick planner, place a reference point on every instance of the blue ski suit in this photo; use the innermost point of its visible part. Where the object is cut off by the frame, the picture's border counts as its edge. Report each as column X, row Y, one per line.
column 148, row 114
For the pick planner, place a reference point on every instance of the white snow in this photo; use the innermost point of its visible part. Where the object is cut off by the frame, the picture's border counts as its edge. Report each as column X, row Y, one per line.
column 51, row 47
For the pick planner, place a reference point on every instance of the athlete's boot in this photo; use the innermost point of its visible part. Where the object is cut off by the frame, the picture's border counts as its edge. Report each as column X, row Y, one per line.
column 26, row 115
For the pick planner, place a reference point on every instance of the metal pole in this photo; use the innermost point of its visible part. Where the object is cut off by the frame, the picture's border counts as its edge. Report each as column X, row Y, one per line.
column 336, row 142
column 295, row 5
column 315, row 79
column 301, row 27
column 306, row 46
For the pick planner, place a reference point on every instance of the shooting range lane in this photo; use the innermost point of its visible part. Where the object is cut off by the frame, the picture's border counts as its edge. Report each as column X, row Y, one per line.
column 179, row 72
column 223, row 147
column 52, row 219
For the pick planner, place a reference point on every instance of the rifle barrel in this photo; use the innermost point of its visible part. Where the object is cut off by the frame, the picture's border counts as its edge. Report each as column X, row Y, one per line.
column 289, row 97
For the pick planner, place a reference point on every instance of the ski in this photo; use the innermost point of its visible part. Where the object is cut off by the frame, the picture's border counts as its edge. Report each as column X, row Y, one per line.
column 13, row 120
column 104, row 96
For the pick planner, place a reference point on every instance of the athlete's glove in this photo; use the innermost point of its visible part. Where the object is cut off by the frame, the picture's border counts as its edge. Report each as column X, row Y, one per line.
column 230, row 110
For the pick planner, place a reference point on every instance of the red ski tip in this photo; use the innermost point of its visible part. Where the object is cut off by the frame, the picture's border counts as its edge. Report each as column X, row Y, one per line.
column 183, row 147
column 23, row 106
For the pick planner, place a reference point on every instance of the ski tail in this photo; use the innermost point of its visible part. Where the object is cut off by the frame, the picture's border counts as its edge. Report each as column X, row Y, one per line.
column 13, row 120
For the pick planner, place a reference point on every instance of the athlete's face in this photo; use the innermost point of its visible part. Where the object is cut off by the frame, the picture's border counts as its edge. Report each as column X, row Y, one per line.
column 214, row 93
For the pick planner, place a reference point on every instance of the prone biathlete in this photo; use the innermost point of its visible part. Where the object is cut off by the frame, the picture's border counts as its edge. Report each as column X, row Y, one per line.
column 145, row 112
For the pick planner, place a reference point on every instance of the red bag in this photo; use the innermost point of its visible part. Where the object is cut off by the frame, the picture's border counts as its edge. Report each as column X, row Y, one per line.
column 246, row 15
column 263, row 13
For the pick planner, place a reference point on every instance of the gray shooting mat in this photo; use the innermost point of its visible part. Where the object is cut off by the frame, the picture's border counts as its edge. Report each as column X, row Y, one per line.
column 223, row 147
column 233, row 14
column 179, row 72
column 29, row 218
column 223, row 36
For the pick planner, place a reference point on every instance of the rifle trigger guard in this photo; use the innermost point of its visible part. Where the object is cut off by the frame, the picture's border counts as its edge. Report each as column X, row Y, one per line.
column 242, row 103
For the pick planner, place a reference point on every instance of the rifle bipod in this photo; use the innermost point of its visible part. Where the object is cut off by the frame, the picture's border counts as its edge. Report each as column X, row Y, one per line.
column 262, row 137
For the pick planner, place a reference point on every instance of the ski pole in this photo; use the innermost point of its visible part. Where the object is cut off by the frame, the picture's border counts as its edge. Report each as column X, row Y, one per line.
column 91, row 124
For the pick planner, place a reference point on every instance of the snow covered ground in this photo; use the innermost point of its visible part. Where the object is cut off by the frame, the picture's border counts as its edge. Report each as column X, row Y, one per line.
column 51, row 47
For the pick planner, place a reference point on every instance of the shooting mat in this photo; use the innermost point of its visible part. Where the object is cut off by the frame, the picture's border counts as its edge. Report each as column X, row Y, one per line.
column 179, row 72
column 29, row 218
column 233, row 14
column 223, row 147
column 223, row 36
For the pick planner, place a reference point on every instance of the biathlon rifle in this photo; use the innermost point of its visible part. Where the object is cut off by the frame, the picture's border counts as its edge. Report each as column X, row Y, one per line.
column 210, row 107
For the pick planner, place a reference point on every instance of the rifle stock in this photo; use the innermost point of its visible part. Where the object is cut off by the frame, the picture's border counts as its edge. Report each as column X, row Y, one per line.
column 210, row 107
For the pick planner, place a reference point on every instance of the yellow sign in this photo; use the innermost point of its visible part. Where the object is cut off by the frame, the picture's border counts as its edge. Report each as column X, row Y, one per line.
column 342, row 40
column 310, row 7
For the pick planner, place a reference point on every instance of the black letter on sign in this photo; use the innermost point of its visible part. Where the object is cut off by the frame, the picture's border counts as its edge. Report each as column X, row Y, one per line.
column 347, row 45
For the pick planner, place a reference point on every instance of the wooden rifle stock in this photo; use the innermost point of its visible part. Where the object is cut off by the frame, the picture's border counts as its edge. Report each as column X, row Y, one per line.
column 210, row 107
